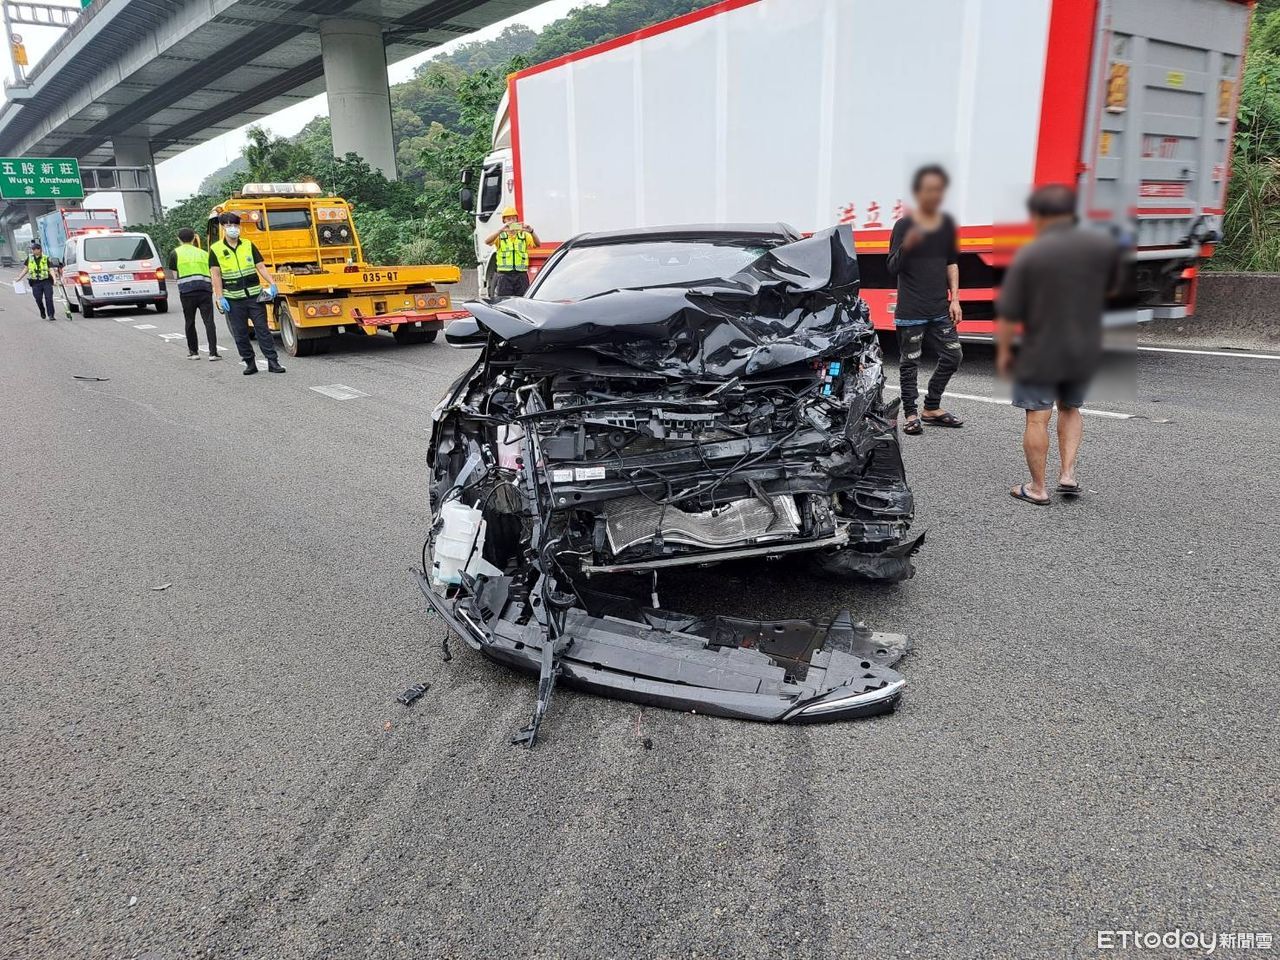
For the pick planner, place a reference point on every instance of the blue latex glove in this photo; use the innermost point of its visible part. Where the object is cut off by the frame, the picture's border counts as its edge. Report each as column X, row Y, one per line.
column 271, row 291
column 224, row 305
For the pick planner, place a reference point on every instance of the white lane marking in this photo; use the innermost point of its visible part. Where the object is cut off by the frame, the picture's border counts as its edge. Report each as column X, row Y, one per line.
column 1214, row 353
column 144, row 326
column 124, row 319
column 172, row 336
column 970, row 338
column 1005, row 402
column 340, row 391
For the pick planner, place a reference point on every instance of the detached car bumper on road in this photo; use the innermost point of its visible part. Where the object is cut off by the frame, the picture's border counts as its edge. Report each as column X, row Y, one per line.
column 635, row 433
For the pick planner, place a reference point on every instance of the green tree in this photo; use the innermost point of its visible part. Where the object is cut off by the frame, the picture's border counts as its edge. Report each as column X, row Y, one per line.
column 447, row 236
column 192, row 212
column 1251, row 224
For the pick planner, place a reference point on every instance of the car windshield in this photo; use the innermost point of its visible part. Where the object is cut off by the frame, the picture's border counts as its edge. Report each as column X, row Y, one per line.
column 583, row 272
column 118, row 248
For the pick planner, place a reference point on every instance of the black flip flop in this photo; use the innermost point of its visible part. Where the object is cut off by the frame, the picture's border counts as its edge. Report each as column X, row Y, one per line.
column 1023, row 495
column 1069, row 489
column 946, row 420
column 913, row 427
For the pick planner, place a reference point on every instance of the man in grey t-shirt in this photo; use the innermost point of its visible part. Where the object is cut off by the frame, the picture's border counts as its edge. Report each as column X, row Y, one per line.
column 1056, row 288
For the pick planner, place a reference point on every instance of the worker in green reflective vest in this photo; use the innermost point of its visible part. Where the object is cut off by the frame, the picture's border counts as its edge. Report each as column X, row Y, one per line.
column 239, row 275
column 40, row 279
column 195, row 290
column 512, row 260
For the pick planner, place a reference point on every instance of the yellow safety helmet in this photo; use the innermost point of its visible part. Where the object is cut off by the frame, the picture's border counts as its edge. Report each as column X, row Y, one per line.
column 509, row 212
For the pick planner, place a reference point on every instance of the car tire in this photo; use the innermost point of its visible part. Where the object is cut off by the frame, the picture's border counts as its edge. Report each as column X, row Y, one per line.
column 491, row 281
column 414, row 335
column 73, row 302
column 162, row 306
column 89, row 311
column 291, row 340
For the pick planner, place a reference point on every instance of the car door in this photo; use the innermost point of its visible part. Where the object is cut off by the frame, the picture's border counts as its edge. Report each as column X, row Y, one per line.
column 68, row 272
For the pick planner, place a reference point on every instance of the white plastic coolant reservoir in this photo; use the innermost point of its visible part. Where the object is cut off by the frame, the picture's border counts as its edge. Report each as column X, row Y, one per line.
column 459, row 545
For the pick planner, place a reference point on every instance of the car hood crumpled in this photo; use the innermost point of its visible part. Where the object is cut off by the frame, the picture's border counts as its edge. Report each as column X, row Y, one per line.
column 797, row 302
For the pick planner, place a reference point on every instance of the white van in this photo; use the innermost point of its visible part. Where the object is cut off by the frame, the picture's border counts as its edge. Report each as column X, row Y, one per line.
column 112, row 269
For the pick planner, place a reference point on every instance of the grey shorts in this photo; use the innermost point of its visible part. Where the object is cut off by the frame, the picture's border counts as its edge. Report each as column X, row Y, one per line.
column 1041, row 396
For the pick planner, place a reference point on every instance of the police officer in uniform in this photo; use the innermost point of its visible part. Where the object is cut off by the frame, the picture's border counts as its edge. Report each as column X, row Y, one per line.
column 238, row 275
column 195, row 290
column 513, row 242
column 36, row 270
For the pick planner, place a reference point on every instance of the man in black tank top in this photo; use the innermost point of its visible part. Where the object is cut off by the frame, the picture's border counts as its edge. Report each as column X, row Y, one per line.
column 923, row 255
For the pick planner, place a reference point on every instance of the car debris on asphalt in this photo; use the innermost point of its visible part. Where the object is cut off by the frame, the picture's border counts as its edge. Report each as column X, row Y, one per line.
column 413, row 694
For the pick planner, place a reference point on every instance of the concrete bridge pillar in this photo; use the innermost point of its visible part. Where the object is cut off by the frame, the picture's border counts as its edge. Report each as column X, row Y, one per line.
column 355, row 78
column 139, row 208
column 35, row 209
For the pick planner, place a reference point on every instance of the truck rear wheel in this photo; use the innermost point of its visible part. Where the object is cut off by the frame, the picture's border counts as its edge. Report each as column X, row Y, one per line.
column 294, row 344
column 415, row 335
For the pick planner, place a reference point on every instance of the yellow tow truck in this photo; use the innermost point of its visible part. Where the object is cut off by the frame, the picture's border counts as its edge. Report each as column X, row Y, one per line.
column 309, row 242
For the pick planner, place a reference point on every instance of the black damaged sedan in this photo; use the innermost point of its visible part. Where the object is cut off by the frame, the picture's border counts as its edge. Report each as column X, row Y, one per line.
column 667, row 398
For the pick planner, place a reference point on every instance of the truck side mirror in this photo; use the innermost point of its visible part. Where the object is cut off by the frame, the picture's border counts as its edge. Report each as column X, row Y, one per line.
column 466, row 177
column 467, row 198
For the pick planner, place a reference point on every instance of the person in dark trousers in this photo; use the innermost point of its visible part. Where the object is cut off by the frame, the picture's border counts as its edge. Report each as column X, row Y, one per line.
column 923, row 256
column 39, row 278
column 238, row 275
column 190, row 265
column 1056, row 288
column 513, row 242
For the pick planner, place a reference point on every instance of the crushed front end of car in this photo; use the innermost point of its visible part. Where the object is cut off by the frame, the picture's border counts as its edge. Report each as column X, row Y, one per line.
column 644, row 431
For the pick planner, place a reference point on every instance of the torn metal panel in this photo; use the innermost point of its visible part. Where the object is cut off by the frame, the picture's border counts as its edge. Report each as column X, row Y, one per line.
column 640, row 430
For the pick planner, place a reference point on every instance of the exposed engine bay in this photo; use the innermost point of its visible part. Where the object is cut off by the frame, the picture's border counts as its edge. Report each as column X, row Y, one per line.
column 609, row 440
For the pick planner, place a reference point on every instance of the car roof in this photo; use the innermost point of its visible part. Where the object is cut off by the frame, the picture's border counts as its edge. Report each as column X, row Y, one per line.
column 728, row 231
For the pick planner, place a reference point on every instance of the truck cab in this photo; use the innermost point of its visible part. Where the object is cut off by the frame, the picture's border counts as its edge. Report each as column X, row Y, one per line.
column 486, row 197
column 309, row 242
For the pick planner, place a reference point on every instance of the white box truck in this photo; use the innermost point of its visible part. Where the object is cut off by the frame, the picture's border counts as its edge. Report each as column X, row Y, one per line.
column 813, row 112
column 56, row 228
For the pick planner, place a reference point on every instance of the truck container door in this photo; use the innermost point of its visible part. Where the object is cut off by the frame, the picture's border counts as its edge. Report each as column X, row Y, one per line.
column 1164, row 95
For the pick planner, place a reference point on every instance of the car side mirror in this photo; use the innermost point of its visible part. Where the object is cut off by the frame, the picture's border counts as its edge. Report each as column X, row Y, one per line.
column 467, row 199
column 465, row 333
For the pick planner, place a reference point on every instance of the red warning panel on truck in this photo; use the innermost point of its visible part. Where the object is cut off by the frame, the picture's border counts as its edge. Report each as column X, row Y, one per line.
column 1163, row 189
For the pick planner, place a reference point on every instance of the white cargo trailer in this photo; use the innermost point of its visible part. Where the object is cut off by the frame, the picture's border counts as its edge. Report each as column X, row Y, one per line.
column 813, row 112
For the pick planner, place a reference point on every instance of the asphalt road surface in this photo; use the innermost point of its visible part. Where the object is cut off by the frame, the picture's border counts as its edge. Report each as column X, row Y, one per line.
column 219, row 768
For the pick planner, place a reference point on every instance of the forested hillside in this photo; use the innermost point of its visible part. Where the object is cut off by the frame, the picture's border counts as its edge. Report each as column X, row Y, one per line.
column 442, row 118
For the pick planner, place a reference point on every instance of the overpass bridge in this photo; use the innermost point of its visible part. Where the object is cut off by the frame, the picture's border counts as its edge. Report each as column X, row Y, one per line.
column 133, row 82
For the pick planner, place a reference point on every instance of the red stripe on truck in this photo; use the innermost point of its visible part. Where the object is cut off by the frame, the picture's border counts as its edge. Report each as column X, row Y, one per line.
column 724, row 6
column 1066, row 90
